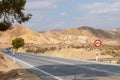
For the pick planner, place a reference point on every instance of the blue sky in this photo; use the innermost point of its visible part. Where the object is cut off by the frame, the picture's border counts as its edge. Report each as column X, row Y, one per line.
column 63, row 14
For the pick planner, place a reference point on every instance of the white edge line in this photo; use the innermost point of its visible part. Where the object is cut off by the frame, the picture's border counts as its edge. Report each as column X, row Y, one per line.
column 37, row 68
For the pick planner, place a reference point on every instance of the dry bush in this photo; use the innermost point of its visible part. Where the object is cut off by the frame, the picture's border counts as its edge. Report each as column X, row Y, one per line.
column 118, row 62
column 40, row 49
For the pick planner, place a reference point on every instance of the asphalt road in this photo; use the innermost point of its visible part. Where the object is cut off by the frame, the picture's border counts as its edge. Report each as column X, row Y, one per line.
column 52, row 68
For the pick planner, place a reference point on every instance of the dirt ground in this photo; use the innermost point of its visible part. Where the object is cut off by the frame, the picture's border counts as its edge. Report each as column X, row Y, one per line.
column 18, row 74
column 111, row 78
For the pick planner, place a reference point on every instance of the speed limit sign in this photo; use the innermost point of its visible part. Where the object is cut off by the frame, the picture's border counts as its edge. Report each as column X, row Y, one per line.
column 97, row 43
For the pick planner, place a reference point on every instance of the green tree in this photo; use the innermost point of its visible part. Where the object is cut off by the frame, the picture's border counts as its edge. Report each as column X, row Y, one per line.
column 18, row 42
column 11, row 11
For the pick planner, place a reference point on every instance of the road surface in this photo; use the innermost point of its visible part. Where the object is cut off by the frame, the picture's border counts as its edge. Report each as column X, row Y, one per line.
column 52, row 68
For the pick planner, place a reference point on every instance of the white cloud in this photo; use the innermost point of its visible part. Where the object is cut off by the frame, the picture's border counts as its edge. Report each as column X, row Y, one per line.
column 63, row 14
column 40, row 5
column 57, row 24
column 101, row 7
column 43, row 4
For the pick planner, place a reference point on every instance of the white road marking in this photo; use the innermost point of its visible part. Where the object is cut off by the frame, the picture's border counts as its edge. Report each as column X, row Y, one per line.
column 71, row 64
column 30, row 66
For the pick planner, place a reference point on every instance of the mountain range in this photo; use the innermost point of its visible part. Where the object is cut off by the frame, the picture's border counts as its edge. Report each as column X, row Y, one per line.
column 82, row 34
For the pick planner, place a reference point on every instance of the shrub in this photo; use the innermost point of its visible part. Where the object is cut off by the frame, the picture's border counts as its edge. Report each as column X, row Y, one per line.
column 18, row 42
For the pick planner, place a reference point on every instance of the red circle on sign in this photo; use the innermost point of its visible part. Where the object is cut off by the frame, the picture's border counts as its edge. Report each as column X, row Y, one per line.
column 97, row 43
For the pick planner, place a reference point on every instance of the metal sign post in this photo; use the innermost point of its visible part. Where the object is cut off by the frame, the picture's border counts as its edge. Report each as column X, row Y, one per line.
column 97, row 44
column 97, row 54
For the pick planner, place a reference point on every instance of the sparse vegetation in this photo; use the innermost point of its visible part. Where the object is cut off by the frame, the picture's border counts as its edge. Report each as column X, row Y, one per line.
column 111, row 50
column 105, row 49
column 40, row 49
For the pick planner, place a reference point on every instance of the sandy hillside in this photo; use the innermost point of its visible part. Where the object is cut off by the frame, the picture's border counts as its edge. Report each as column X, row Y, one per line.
column 82, row 35
column 6, row 64
column 29, row 35
column 69, row 36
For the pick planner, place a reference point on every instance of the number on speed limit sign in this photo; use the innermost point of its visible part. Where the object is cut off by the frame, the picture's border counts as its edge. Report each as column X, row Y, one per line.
column 97, row 43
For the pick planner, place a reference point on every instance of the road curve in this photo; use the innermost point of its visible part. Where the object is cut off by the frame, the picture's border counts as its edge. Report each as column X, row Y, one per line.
column 52, row 68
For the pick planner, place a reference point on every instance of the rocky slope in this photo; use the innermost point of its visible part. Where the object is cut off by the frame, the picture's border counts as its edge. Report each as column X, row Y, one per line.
column 82, row 35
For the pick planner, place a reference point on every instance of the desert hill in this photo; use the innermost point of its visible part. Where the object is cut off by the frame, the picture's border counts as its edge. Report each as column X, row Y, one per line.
column 98, row 32
column 115, row 32
column 81, row 35
column 70, row 36
column 29, row 35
